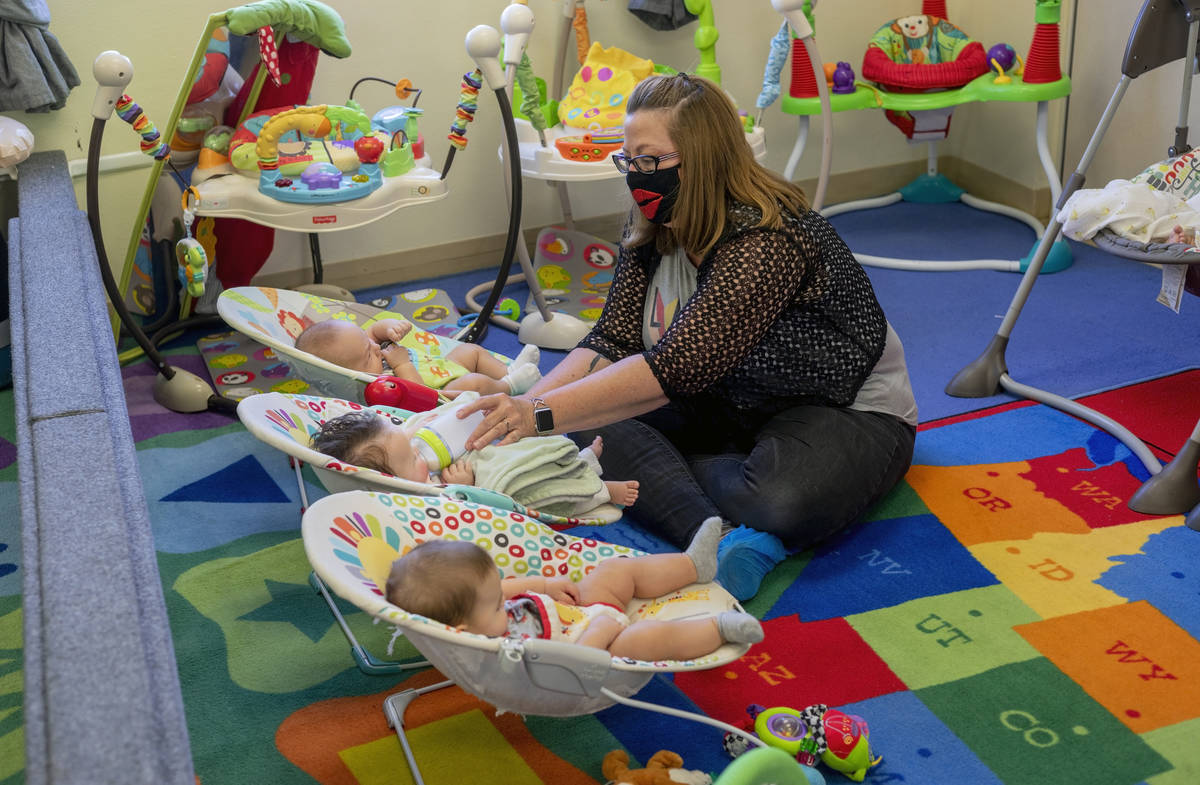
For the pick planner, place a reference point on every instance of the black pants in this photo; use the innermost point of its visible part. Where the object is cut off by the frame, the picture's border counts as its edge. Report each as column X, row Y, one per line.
column 806, row 474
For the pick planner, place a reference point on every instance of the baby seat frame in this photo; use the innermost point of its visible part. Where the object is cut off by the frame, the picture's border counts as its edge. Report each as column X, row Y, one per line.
column 543, row 677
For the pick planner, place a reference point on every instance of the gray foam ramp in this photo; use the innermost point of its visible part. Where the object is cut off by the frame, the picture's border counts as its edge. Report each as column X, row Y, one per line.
column 102, row 700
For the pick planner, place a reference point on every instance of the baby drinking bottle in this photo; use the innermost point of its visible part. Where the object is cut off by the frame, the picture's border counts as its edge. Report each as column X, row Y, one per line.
column 443, row 440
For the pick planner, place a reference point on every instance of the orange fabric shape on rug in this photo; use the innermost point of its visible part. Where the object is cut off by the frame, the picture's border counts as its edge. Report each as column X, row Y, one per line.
column 1131, row 658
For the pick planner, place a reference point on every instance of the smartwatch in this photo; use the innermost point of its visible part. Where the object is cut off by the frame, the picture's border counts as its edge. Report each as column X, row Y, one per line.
column 543, row 418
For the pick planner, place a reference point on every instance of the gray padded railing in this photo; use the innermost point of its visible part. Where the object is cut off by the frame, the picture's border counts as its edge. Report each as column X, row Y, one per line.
column 102, row 698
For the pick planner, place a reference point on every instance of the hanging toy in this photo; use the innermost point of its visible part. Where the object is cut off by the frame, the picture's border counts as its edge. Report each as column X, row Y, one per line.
column 531, row 97
column 152, row 143
column 192, row 258
column 468, row 103
column 583, row 39
column 777, row 55
column 464, row 113
column 269, row 54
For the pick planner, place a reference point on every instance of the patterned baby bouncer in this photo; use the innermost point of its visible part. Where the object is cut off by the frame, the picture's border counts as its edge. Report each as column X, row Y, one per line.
column 288, row 422
column 352, row 538
column 275, row 317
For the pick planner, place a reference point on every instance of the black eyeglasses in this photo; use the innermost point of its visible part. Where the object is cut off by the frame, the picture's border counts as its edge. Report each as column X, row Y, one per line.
column 646, row 164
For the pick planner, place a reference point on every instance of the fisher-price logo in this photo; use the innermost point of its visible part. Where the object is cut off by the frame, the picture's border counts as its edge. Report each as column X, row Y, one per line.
column 324, row 219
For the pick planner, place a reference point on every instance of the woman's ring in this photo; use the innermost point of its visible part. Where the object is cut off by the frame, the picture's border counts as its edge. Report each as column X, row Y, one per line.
column 507, row 427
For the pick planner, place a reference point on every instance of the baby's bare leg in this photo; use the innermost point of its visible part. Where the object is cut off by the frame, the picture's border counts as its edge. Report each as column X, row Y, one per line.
column 476, row 359
column 682, row 639
column 617, row 581
column 601, row 632
column 484, row 385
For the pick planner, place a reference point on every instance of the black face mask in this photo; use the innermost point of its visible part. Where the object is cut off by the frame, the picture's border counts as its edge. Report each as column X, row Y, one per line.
column 656, row 193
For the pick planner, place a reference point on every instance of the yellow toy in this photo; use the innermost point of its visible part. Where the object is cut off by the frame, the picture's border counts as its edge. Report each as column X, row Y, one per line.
column 601, row 88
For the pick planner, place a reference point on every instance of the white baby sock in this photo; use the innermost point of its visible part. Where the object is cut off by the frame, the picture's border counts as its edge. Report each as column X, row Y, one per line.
column 703, row 549
column 529, row 355
column 737, row 627
column 521, row 378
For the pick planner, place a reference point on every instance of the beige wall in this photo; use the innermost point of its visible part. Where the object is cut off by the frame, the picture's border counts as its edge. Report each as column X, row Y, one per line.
column 422, row 40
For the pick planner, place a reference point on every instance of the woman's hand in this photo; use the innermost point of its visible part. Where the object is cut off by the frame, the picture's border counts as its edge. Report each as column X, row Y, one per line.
column 507, row 419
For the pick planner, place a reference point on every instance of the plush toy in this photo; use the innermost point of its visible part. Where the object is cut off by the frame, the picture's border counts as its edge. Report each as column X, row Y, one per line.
column 665, row 767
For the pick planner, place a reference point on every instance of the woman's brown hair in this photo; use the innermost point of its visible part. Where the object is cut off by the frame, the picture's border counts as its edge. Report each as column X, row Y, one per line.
column 716, row 163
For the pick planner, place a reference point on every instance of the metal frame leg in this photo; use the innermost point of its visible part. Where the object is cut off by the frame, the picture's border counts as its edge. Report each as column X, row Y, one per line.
column 366, row 662
column 1174, row 489
column 394, row 707
column 1172, row 492
column 750, row 739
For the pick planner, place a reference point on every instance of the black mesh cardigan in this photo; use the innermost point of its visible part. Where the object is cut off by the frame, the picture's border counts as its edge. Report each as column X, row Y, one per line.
column 779, row 318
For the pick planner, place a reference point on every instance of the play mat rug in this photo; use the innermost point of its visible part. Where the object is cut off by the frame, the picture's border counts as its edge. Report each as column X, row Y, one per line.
column 240, row 366
column 574, row 270
column 1001, row 617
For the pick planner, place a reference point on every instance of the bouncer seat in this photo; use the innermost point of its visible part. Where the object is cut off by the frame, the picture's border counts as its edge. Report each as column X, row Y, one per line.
column 288, row 423
column 352, row 538
column 274, row 317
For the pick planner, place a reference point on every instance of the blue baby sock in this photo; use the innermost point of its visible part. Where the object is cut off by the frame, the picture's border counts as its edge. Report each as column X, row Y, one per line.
column 744, row 558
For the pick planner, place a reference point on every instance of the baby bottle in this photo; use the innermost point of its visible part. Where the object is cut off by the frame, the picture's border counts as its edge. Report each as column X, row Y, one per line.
column 443, row 440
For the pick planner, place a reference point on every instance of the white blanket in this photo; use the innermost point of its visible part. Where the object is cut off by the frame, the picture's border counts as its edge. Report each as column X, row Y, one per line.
column 1135, row 211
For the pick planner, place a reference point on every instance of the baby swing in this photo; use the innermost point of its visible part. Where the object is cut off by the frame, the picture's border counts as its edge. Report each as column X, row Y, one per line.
column 1162, row 33
column 352, row 538
column 568, row 282
column 919, row 68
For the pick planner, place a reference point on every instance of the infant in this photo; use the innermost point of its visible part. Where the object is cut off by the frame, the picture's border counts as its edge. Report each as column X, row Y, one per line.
column 365, row 438
column 456, row 583
column 388, row 346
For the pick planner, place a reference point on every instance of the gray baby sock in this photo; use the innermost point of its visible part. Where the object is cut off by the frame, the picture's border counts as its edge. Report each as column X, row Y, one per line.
column 738, row 627
column 703, row 549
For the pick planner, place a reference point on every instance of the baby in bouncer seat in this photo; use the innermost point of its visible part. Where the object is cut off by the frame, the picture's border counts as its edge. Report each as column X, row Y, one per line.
column 456, row 583
column 546, row 473
column 389, row 346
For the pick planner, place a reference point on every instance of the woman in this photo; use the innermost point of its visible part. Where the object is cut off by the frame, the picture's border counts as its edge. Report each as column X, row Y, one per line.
column 742, row 366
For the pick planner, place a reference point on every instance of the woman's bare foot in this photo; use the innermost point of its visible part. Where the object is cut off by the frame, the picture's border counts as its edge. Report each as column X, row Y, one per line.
column 621, row 494
column 597, row 446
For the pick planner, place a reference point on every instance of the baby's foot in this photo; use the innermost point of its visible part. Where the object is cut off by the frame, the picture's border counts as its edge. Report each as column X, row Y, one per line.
column 521, row 378
column 529, row 355
column 622, row 494
column 597, row 446
column 703, row 549
column 738, row 627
